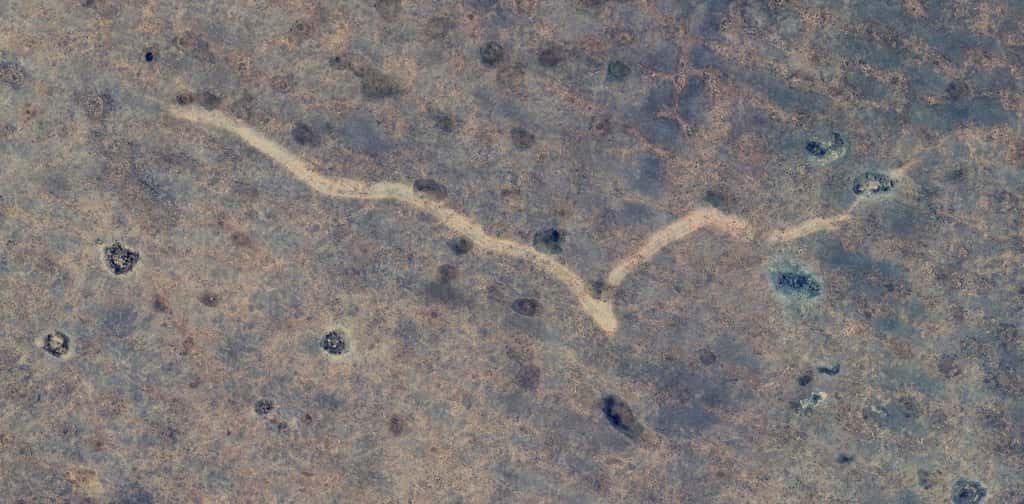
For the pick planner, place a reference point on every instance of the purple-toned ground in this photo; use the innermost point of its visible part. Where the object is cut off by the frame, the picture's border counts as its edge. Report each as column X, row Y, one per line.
column 803, row 217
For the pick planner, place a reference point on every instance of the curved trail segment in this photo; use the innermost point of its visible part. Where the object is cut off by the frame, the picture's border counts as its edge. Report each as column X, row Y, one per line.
column 600, row 310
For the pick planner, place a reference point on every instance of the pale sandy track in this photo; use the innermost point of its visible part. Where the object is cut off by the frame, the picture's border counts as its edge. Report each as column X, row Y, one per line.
column 600, row 311
column 681, row 228
column 809, row 226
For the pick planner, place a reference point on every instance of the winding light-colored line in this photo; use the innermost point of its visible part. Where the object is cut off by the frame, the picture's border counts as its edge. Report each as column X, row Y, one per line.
column 681, row 228
column 299, row 168
column 809, row 226
column 815, row 224
column 600, row 311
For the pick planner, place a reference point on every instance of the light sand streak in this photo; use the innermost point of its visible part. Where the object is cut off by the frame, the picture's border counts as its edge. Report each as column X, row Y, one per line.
column 599, row 310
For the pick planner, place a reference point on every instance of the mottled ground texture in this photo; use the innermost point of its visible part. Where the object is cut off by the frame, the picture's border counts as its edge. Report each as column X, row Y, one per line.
column 183, row 320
